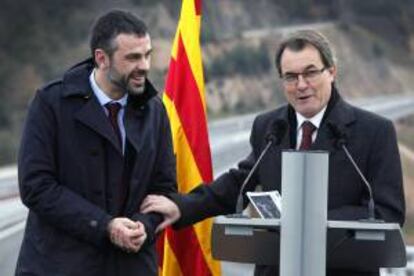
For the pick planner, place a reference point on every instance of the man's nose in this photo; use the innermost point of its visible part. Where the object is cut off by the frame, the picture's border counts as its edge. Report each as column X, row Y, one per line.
column 302, row 83
column 144, row 64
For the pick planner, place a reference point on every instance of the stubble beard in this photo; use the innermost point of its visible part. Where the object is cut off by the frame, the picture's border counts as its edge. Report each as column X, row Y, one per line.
column 123, row 82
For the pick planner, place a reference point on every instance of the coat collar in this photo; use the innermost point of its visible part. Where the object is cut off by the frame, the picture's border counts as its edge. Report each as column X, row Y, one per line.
column 338, row 112
column 136, row 109
column 76, row 85
column 76, row 80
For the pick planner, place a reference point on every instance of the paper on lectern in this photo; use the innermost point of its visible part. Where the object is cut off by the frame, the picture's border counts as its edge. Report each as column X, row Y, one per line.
column 267, row 204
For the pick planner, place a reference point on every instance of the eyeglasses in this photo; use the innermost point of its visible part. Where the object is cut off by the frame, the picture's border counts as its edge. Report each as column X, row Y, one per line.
column 310, row 75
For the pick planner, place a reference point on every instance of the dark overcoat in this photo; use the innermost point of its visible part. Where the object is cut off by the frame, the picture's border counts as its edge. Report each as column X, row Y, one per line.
column 74, row 178
column 371, row 139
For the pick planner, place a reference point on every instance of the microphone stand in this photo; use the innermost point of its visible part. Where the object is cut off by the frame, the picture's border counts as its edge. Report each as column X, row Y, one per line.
column 371, row 203
column 341, row 144
column 274, row 135
column 240, row 198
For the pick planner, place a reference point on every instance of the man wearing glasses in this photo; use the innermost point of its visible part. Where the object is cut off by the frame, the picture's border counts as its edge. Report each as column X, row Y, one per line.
column 316, row 118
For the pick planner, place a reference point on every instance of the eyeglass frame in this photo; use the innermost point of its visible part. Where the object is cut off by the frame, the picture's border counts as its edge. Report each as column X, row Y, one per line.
column 305, row 75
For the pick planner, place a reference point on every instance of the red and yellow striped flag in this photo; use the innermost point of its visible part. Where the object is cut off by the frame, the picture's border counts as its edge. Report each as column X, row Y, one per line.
column 187, row 252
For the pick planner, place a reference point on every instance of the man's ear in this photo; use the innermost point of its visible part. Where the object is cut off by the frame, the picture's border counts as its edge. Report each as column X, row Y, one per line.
column 101, row 58
column 333, row 71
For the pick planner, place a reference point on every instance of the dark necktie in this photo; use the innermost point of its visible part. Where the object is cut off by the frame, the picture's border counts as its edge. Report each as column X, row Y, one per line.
column 307, row 129
column 113, row 110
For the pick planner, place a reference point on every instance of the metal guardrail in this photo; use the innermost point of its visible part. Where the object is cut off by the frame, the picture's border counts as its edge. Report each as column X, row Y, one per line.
column 8, row 182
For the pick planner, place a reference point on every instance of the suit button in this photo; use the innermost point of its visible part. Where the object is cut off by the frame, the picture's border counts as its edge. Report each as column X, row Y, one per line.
column 93, row 223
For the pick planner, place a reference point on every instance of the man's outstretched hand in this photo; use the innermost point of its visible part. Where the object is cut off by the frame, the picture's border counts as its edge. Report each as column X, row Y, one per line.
column 163, row 205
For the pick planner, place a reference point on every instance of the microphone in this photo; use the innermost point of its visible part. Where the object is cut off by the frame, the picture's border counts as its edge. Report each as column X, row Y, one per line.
column 341, row 144
column 274, row 135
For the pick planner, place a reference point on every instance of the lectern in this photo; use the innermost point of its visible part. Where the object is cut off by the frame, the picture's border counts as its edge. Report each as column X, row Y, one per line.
column 350, row 244
column 303, row 241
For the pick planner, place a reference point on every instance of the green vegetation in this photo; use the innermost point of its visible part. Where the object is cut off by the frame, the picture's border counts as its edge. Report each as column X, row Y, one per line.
column 41, row 39
column 242, row 60
column 406, row 132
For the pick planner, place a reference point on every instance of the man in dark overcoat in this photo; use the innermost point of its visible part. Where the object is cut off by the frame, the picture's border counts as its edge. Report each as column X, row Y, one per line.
column 315, row 118
column 95, row 143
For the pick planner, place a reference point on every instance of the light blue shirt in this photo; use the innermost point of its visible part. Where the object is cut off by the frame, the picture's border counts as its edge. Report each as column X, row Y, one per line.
column 104, row 99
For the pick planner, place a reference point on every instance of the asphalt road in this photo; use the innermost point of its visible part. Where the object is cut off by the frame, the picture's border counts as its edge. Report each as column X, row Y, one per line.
column 9, row 249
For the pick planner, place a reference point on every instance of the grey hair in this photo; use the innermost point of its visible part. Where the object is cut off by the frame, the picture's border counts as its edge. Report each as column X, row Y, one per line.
column 299, row 40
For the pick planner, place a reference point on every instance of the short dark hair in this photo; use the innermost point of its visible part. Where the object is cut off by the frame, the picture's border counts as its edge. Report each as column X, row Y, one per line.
column 299, row 40
column 110, row 25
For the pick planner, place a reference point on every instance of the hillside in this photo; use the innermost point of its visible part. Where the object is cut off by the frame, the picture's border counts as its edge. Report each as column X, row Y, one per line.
column 364, row 70
column 43, row 38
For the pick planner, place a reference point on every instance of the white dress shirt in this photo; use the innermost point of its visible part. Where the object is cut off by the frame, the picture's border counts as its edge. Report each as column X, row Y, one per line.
column 315, row 120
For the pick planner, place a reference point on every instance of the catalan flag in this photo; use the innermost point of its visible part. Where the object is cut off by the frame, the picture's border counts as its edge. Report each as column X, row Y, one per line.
column 187, row 252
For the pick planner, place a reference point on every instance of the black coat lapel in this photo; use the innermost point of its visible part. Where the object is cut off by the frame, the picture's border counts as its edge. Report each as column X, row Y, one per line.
column 341, row 115
column 135, row 113
column 324, row 140
column 138, row 127
column 93, row 116
column 270, row 170
column 133, row 127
